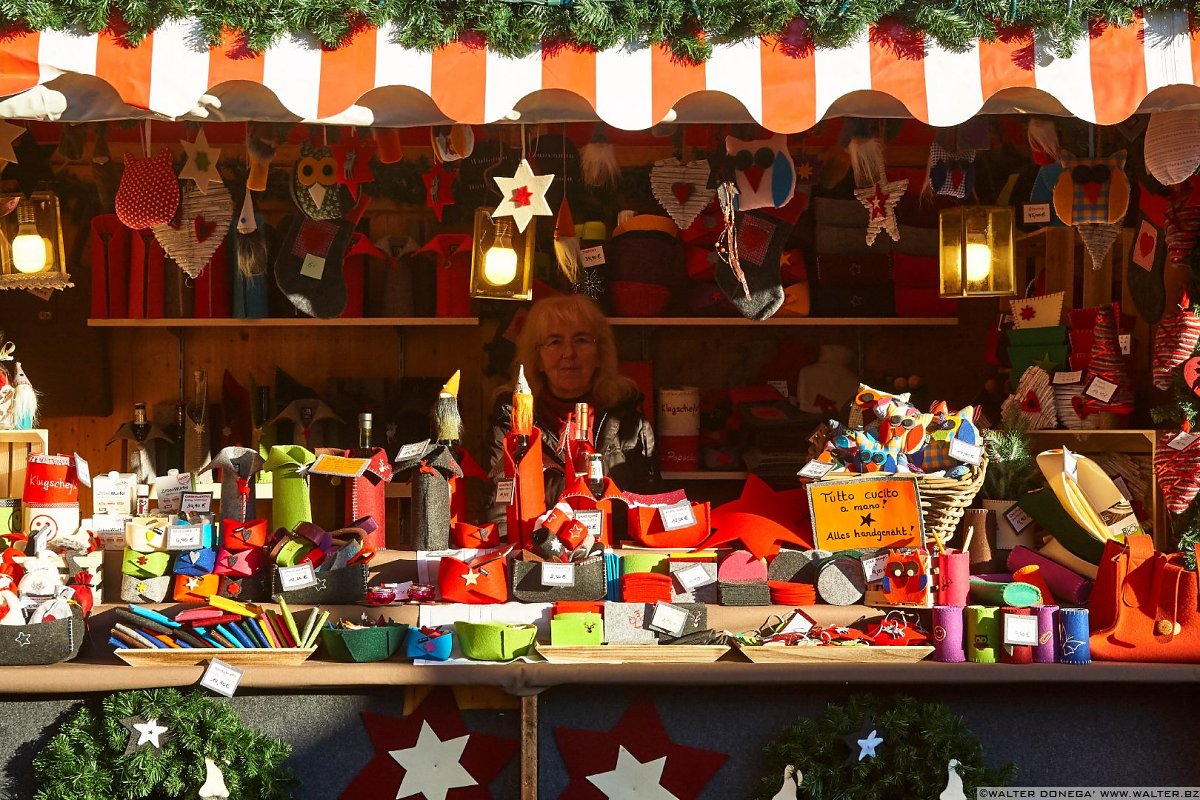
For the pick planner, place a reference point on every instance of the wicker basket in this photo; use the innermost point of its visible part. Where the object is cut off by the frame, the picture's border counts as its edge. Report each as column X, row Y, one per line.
column 944, row 500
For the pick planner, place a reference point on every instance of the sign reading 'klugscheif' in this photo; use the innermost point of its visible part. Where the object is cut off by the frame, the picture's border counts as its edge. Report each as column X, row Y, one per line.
column 873, row 512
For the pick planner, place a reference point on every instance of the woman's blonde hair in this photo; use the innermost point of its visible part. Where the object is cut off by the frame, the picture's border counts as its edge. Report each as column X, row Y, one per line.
column 609, row 387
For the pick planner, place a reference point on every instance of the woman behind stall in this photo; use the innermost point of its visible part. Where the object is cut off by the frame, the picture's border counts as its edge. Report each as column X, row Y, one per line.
column 570, row 357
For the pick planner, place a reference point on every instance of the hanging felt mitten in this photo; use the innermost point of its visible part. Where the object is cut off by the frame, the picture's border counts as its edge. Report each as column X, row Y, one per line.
column 761, row 235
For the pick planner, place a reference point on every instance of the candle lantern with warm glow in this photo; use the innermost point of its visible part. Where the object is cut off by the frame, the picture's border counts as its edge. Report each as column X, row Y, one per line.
column 502, row 258
column 976, row 251
column 31, row 252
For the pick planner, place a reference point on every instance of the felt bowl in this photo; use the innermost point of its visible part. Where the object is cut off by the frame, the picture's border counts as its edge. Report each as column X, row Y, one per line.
column 362, row 645
column 632, row 299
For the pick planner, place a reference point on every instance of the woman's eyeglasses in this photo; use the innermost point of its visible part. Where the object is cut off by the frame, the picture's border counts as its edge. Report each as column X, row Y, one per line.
column 558, row 344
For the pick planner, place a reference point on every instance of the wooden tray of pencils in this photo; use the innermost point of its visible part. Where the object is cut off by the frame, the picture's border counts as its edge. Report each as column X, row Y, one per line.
column 882, row 654
column 632, row 654
column 238, row 657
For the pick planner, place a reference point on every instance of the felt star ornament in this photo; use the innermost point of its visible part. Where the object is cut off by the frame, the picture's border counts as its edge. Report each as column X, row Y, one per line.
column 200, row 164
column 353, row 158
column 864, row 742
column 762, row 519
column 524, row 196
column 8, row 134
column 429, row 754
column 32, row 166
column 439, row 183
column 145, row 733
column 880, row 201
column 635, row 759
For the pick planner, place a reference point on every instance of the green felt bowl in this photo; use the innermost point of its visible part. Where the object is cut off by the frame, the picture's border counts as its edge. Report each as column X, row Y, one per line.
column 361, row 645
column 494, row 641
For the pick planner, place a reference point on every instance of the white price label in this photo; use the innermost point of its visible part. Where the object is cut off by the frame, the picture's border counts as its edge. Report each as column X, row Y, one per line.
column 1067, row 378
column 592, row 257
column 221, row 677
column 504, row 492
column 1017, row 517
column 1070, row 465
column 816, row 469
column 1182, row 441
column 298, row 577
column 185, row 537
column 779, row 386
column 83, row 472
column 799, row 623
column 693, row 576
column 313, row 267
column 1020, row 629
column 966, row 453
column 170, row 490
column 1034, row 213
column 1125, row 340
column 196, row 503
column 413, row 450
column 873, row 567
column 558, row 574
column 677, row 516
column 668, row 619
column 593, row 519
column 1101, row 389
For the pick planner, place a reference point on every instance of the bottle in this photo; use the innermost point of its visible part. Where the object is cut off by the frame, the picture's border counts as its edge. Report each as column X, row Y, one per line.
column 596, row 474
column 581, row 444
column 364, row 431
column 171, row 453
column 141, row 427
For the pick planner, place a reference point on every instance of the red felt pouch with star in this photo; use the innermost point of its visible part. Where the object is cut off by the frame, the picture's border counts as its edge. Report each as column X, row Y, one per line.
column 480, row 581
column 646, row 526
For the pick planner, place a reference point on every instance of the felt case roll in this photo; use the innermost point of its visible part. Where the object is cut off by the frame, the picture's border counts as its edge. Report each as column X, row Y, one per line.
column 494, row 641
column 1068, row 586
column 44, row 642
column 364, row 645
column 195, row 562
column 245, row 590
column 983, row 634
column 1014, row 653
column 291, row 503
column 335, row 587
column 953, row 584
column 1073, row 636
column 997, row 593
column 948, row 634
column 145, row 565
column 1049, row 514
column 591, row 582
column 1047, row 646
column 432, row 644
column 145, row 590
column 529, row 489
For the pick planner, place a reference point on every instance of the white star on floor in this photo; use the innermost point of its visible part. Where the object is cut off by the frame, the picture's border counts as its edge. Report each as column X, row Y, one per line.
column 867, row 746
column 24, row 639
column 632, row 778
column 432, row 767
column 149, row 731
column 524, row 196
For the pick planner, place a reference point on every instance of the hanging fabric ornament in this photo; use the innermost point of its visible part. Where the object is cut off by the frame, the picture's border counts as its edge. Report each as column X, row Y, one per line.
column 439, row 191
column 727, row 242
column 1098, row 238
column 681, row 189
column 1177, row 469
column 1043, row 141
column 1043, row 311
column 1091, row 190
column 353, row 157
column 763, row 171
column 261, row 140
column 250, row 243
column 880, row 201
column 200, row 162
column 951, row 174
column 8, row 134
column 1175, row 342
column 567, row 250
column 315, row 187
column 1171, row 148
column 452, row 142
column 1181, row 221
column 194, row 235
column 1033, row 400
column 524, row 196
column 25, row 402
column 149, row 192
column 1108, row 383
column 599, row 159
column 214, row 787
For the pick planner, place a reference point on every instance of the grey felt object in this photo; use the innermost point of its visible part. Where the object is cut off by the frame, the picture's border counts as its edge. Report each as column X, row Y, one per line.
column 336, row 587
column 840, row 580
column 761, row 266
column 625, row 623
column 748, row 593
column 701, row 594
column 234, row 463
column 145, row 590
column 591, row 582
column 795, row 566
column 697, row 619
column 43, row 643
column 429, row 526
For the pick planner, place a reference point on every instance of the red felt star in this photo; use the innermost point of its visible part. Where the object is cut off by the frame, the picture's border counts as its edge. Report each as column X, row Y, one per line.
column 522, row 196
column 588, row 753
column 762, row 519
column 1028, row 312
column 879, row 200
column 438, row 188
column 353, row 157
column 483, row 757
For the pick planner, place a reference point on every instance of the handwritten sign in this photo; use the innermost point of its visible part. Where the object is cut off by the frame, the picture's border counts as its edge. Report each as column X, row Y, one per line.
column 866, row 513
column 558, row 574
column 339, row 466
column 221, row 677
column 195, row 502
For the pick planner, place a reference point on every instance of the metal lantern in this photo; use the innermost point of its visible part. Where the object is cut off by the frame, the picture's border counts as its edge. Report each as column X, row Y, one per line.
column 31, row 245
column 976, row 245
column 502, row 258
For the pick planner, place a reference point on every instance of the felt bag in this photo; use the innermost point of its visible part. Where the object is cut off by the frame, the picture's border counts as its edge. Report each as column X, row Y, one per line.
column 432, row 644
column 44, row 642
column 196, row 562
column 335, row 587
column 482, row 580
column 494, row 641
column 109, row 246
column 529, row 490
column 590, row 582
column 364, row 645
column 195, row 588
column 1144, row 606
column 239, row 563
column 243, row 535
column 646, row 526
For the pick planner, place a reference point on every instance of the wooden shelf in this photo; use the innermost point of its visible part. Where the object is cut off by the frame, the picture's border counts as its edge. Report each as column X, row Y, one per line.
column 290, row 322
column 705, row 475
column 263, row 491
column 717, row 322
column 1116, row 441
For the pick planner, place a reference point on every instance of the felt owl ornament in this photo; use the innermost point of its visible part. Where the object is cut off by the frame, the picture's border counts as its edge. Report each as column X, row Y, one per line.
column 944, row 427
column 149, row 191
column 951, row 174
column 315, row 187
column 905, row 424
column 871, row 456
column 905, row 579
column 763, row 172
column 1091, row 191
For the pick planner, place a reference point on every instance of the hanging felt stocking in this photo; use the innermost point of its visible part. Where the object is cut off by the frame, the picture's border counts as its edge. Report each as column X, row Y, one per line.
column 238, row 467
column 761, row 237
column 1108, row 382
column 290, row 503
column 1177, row 469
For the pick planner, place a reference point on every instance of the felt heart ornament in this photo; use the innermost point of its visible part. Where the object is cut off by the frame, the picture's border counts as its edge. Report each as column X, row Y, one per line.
column 681, row 189
column 1191, row 374
column 1033, row 400
column 1175, row 341
column 149, row 191
column 1178, row 472
column 203, row 221
column 1072, row 408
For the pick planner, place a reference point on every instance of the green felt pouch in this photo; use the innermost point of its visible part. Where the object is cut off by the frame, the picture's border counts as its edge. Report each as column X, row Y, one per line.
column 996, row 593
column 362, row 645
column 145, row 565
column 1025, row 337
column 1022, row 357
column 336, row 587
column 494, row 641
column 590, row 582
column 43, row 643
column 585, row 628
column 1043, row 505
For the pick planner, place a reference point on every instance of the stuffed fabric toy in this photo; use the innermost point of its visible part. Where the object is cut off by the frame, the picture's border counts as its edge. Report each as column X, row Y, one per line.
column 944, row 427
column 763, row 171
column 1091, row 190
column 149, row 191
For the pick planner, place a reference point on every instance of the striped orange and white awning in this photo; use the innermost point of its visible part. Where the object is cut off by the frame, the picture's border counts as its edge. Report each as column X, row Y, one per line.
column 1112, row 73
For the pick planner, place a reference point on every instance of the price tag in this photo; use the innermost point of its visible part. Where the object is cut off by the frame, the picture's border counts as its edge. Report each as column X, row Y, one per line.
column 1065, row 378
column 504, row 492
column 1125, row 340
column 873, row 567
column 185, row 537
column 339, row 466
column 966, row 453
column 1101, row 389
column 298, row 577
column 82, row 471
column 1034, row 213
column 677, row 516
column 1070, row 465
column 313, row 267
column 593, row 518
column 799, row 623
column 196, row 503
column 1182, row 441
column 558, row 574
column 693, row 576
column 413, row 450
column 1017, row 518
column 1123, row 488
column 816, row 469
column 668, row 619
column 221, row 677
column 1020, row 629
column 779, row 386
column 592, row 257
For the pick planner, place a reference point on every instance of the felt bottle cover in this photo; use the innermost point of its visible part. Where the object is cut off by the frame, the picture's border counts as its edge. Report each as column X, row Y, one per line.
column 1073, row 646
column 494, row 641
column 243, row 535
column 529, row 489
column 195, row 588
column 145, row 565
column 291, row 503
column 948, row 634
column 983, row 634
column 1047, row 646
column 196, row 562
column 238, row 467
column 239, row 563
column 983, row 537
column 433, row 644
column 579, row 497
column 431, row 489
column 145, row 590
column 365, row 495
column 1014, row 653
column 1001, row 593
column 1066, row 585
column 954, row 578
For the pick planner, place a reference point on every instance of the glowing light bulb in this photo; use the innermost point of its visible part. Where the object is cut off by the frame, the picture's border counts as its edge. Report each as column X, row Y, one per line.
column 500, row 260
column 979, row 262
column 28, row 246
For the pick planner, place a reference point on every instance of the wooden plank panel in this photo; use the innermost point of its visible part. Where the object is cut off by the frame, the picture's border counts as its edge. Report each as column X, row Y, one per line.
column 1060, row 263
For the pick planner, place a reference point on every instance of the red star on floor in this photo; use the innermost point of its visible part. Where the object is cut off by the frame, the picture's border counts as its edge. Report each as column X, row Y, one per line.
column 483, row 757
column 762, row 519
column 521, row 196
column 640, row 732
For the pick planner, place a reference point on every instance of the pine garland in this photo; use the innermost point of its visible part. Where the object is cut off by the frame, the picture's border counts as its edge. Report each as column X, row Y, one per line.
column 516, row 27
column 919, row 739
column 85, row 760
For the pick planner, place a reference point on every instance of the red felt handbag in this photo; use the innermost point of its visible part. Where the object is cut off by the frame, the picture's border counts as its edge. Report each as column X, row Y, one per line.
column 1144, row 606
column 480, row 581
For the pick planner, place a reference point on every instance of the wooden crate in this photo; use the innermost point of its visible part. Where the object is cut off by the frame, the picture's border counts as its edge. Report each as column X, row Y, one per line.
column 15, row 449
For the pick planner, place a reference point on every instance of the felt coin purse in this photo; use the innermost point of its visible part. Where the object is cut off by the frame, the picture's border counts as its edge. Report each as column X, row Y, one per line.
column 246, row 590
column 239, row 563
column 195, row 588
column 494, row 641
column 145, row 565
column 335, row 587
column 433, row 644
column 144, row 590
column 471, row 537
column 243, row 535
column 590, row 582
column 577, row 629
column 480, row 581
column 146, row 534
column 196, row 562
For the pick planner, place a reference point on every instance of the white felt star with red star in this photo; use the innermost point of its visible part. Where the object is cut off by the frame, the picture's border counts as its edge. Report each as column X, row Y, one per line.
column 524, row 196
column 880, row 201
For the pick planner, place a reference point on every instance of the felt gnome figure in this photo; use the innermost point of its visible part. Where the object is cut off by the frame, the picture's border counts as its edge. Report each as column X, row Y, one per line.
column 25, row 402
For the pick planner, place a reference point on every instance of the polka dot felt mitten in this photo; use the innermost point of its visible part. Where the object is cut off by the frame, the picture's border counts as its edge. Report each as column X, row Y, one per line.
column 149, row 191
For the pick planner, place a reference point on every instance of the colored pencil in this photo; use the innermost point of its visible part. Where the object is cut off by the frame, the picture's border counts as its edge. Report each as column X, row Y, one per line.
column 290, row 621
column 312, row 637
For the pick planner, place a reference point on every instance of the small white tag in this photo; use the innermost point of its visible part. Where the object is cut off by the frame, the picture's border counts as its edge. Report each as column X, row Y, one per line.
column 677, row 516
column 816, row 469
column 221, row 677
column 298, row 577
column 593, row 518
column 592, row 256
column 83, row 473
column 170, row 489
column 1066, row 378
column 185, row 537
column 413, row 450
column 873, row 567
column 1070, row 465
column 966, row 453
column 1122, row 487
column 693, row 576
column 1125, row 340
column 1101, row 389
column 313, row 267
column 799, row 623
column 1017, row 517
column 669, row 619
column 779, row 386
column 196, row 503
column 1182, row 441
column 558, row 574
column 504, row 492
column 1032, row 213
column 1020, row 629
